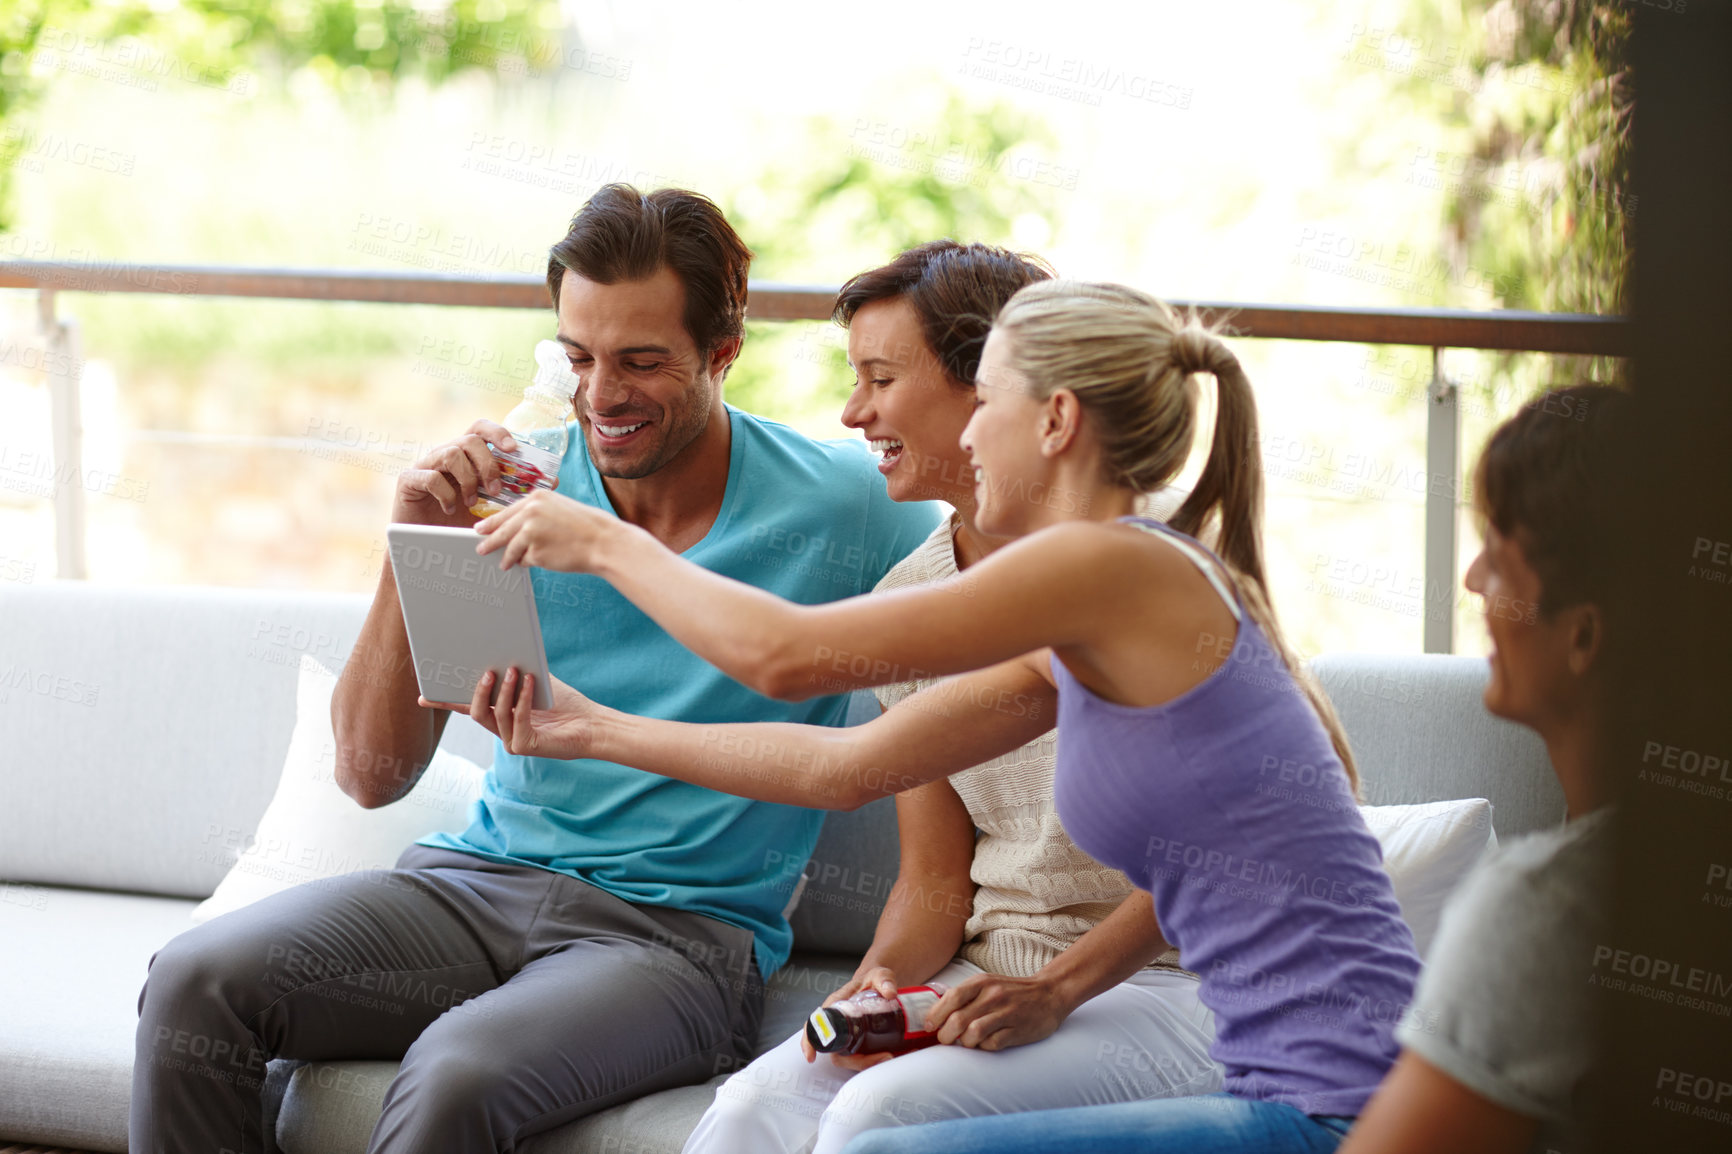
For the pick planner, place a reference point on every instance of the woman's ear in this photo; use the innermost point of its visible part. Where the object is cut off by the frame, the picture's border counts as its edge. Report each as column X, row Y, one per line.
column 1060, row 422
column 1587, row 637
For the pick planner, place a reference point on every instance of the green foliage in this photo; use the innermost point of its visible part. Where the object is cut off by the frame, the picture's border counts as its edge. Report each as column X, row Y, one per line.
column 850, row 197
column 392, row 38
column 1540, row 97
column 849, row 200
column 215, row 42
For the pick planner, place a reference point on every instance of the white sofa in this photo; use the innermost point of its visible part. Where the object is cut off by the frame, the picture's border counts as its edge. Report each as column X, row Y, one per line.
column 139, row 727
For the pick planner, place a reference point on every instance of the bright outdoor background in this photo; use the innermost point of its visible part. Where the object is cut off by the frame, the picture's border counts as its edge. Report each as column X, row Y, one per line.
column 1421, row 153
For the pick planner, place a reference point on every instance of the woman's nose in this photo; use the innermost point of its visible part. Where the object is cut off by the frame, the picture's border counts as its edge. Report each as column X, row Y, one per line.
column 857, row 413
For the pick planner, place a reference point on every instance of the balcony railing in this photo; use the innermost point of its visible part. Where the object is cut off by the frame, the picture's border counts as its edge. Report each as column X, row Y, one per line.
column 1437, row 329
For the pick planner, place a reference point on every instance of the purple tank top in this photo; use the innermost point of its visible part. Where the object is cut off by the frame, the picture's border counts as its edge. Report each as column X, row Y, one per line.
column 1274, row 892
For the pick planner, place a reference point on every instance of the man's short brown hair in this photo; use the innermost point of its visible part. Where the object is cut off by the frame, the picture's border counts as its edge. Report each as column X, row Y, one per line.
column 621, row 234
column 1547, row 477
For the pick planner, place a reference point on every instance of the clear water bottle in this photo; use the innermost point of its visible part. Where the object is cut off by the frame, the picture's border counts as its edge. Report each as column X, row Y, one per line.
column 870, row 1023
column 538, row 424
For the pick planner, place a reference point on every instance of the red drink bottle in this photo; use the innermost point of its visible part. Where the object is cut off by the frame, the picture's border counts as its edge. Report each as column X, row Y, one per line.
column 869, row 1023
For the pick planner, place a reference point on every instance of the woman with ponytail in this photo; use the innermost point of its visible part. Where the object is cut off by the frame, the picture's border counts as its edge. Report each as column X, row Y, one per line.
column 1161, row 664
column 990, row 898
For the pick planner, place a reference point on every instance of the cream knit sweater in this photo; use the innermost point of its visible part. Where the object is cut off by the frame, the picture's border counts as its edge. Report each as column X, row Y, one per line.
column 1036, row 891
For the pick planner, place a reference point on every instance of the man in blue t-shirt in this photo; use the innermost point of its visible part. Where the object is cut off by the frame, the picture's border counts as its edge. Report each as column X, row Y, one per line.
column 597, row 932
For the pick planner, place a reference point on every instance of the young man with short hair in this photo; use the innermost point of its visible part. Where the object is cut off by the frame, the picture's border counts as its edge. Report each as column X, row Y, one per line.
column 598, row 932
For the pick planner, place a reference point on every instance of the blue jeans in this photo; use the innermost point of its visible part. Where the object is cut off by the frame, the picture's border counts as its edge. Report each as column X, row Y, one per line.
column 1206, row 1124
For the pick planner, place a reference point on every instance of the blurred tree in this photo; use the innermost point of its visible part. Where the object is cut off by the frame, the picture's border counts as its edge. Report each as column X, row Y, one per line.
column 216, row 42
column 850, row 199
column 1540, row 94
column 867, row 193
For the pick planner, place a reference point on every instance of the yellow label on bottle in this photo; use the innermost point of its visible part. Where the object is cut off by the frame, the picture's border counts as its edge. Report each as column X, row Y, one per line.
column 822, row 1027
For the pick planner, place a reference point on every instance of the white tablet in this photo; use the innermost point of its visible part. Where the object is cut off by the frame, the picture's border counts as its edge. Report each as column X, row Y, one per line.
column 464, row 614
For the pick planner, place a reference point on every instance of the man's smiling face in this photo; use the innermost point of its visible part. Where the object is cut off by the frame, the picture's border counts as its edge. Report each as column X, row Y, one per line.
column 644, row 391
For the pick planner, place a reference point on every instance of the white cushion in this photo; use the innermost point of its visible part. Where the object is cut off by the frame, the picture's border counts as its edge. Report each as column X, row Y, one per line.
column 313, row 830
column 1428, row 849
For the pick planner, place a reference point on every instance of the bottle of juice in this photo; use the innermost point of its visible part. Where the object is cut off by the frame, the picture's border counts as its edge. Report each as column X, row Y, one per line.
column 538, row 424
column 870, row 1023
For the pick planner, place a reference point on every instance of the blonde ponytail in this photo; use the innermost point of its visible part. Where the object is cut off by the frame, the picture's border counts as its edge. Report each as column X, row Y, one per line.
column 1132, row 363
column 1230, row 489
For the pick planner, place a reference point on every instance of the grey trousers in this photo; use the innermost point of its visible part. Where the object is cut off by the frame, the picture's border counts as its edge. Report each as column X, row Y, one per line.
column 517, row 999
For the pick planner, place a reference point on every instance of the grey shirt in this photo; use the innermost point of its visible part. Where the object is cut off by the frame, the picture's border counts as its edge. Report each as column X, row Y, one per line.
column 1504, row 1003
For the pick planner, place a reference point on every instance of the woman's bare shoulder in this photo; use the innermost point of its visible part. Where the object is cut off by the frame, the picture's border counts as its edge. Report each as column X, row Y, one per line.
column 1113, row 548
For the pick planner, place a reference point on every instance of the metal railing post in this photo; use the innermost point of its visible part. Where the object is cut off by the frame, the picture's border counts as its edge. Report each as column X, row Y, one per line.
column 66, row 432
column 1443, row 484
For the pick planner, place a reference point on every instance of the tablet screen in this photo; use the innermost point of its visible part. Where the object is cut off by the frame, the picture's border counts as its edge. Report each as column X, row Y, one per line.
column 464, row 614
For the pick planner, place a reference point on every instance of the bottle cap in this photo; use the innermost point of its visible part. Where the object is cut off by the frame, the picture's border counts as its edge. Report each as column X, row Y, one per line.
column 827, row 1029
column 552, row 370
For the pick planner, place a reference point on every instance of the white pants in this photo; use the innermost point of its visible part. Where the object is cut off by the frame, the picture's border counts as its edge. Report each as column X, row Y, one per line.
column 1147, row 1037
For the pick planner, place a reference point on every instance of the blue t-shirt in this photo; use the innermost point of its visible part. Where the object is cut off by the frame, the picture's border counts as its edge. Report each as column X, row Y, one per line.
column 807, row 520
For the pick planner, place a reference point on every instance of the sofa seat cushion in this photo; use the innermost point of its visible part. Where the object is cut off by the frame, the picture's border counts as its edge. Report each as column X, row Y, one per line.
column 331, row 1107
column 72, row 969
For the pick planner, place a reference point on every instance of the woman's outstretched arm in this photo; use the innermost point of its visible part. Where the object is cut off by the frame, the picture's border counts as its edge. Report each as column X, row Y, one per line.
column 1045, row 590
column 944, row 729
